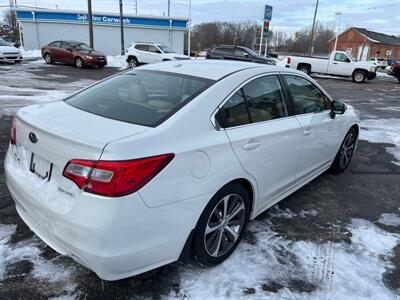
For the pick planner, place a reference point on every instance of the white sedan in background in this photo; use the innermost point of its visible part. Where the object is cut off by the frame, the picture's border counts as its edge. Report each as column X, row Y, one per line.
column 171, row 160
column 9, row 53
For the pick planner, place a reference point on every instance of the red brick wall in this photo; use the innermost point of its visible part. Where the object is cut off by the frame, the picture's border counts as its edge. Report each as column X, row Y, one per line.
column 351, row 39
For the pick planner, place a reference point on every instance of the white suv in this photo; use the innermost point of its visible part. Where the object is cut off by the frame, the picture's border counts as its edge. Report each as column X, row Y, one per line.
column 146, row 53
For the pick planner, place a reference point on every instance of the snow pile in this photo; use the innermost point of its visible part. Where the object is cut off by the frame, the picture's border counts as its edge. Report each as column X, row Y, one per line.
column 29, row 250
column 118, row 61
column 31, row 53
column 390, row 219
column 383, row 131
column 282, row 269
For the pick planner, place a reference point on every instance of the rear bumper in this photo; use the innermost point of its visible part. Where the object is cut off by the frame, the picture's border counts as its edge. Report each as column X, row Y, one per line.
column 115, row 238
column 371, row 75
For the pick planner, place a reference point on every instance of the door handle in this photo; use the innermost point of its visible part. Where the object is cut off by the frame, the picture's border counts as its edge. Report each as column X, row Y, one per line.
column 335, row 63
column 307, row 132
column 251, row 145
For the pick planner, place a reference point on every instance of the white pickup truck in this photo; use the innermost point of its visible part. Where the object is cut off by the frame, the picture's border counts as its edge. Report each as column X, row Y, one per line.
column 339, row 63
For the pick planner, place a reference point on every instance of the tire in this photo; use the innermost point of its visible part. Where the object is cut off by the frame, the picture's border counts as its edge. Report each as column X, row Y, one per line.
column 304, row 69
column 398, row 79
column 79, row 63
column 132, row 62
column 359, row 76
column 345, row 153
column 48, row 58
column 226, row 232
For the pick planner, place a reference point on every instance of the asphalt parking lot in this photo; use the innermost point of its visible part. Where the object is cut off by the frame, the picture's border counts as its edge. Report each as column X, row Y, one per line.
column 336, row 238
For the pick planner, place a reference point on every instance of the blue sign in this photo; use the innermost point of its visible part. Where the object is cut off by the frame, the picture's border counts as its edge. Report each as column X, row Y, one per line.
column 268, row 13
column 110, row 20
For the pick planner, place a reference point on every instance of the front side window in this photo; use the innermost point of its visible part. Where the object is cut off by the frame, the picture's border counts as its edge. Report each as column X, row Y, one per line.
column 140, row 97
column 153, row 49
column 341, row 57
column 258, row 101
column 307, row 98
column 65, row 45
column 241, row 52
column 80, row 47
column 224, row 50
column 166, row 49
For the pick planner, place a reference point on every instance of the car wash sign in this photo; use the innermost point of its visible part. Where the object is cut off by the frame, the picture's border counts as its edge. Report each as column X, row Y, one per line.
column 49, row 16
column 267, row 19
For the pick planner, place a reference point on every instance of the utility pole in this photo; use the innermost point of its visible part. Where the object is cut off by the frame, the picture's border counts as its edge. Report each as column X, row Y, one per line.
column 190, row 23
column 136, row 7
column 121, row 22
column 90, row 19
column 312, row 30
column 169, row 8
column 338, row 13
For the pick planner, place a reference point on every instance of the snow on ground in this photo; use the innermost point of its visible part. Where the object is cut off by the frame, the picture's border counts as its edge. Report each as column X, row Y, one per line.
column 276, row 268
column 118, row 61
column 390, row 219
column 31, row 53
column 383, row 131
column 29, row 250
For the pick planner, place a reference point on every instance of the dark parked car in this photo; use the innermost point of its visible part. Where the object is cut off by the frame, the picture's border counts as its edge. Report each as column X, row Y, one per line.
column 395, row 70
column 74, row 53
column 238, row 53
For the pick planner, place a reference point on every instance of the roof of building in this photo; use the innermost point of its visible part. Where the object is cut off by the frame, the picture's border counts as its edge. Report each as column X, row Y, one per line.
column 378, row 37
column 209, row 68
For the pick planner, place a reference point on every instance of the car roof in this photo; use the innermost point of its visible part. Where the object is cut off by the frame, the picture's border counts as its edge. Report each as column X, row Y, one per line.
column 210, row 69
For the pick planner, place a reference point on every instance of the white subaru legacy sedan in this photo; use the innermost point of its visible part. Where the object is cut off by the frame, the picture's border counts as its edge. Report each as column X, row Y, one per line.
column 171, row 160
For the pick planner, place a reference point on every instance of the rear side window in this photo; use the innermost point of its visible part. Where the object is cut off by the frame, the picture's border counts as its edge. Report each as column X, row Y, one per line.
column 307, row 98
column 258, row 101
column 55, row 44
column 265, row 99
column 142, row 47
column 140, row 97
column 235, row 113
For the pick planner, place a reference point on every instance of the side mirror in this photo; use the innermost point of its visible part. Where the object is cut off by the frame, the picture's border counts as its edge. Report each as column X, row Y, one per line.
column 338, row 108
column 158, row 51
column 348, row 60
column 17, row 45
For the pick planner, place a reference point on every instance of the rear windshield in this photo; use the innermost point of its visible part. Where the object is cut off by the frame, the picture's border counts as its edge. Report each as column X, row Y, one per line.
column 140, row 97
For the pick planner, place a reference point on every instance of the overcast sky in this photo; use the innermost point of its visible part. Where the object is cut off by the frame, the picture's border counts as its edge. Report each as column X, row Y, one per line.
column 288, row 15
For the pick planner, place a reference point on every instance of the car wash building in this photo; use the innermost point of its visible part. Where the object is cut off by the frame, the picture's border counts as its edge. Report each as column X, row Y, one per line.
column 40, row 27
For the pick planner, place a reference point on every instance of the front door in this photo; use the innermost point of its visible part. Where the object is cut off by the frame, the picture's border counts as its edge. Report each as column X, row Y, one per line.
column 320, row 133
column 341, row 65
column 266, row 140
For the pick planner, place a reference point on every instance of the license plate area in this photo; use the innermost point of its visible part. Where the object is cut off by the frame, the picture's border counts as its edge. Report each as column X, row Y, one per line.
column 40, row 167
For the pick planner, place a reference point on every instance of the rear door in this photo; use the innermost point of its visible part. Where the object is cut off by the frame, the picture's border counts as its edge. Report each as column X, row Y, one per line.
column 55, row 49
column 67, row 55
column 154, row 54
column 142, row 53
column 263, row 134
column 320, row 133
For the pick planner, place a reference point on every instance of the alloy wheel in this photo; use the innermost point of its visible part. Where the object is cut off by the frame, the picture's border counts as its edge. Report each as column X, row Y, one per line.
column 359, row 77
column 224, row 225
column 132, row 63
column 79, row 63
column 347, row 150
column 47, row 58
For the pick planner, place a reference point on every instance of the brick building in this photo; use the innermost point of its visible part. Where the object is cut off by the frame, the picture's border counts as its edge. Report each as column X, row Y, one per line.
column 364, row 44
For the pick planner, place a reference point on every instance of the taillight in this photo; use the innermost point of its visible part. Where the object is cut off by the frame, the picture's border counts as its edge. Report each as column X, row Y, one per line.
column 13, row 132
column 115, row 178
column 289, row 60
